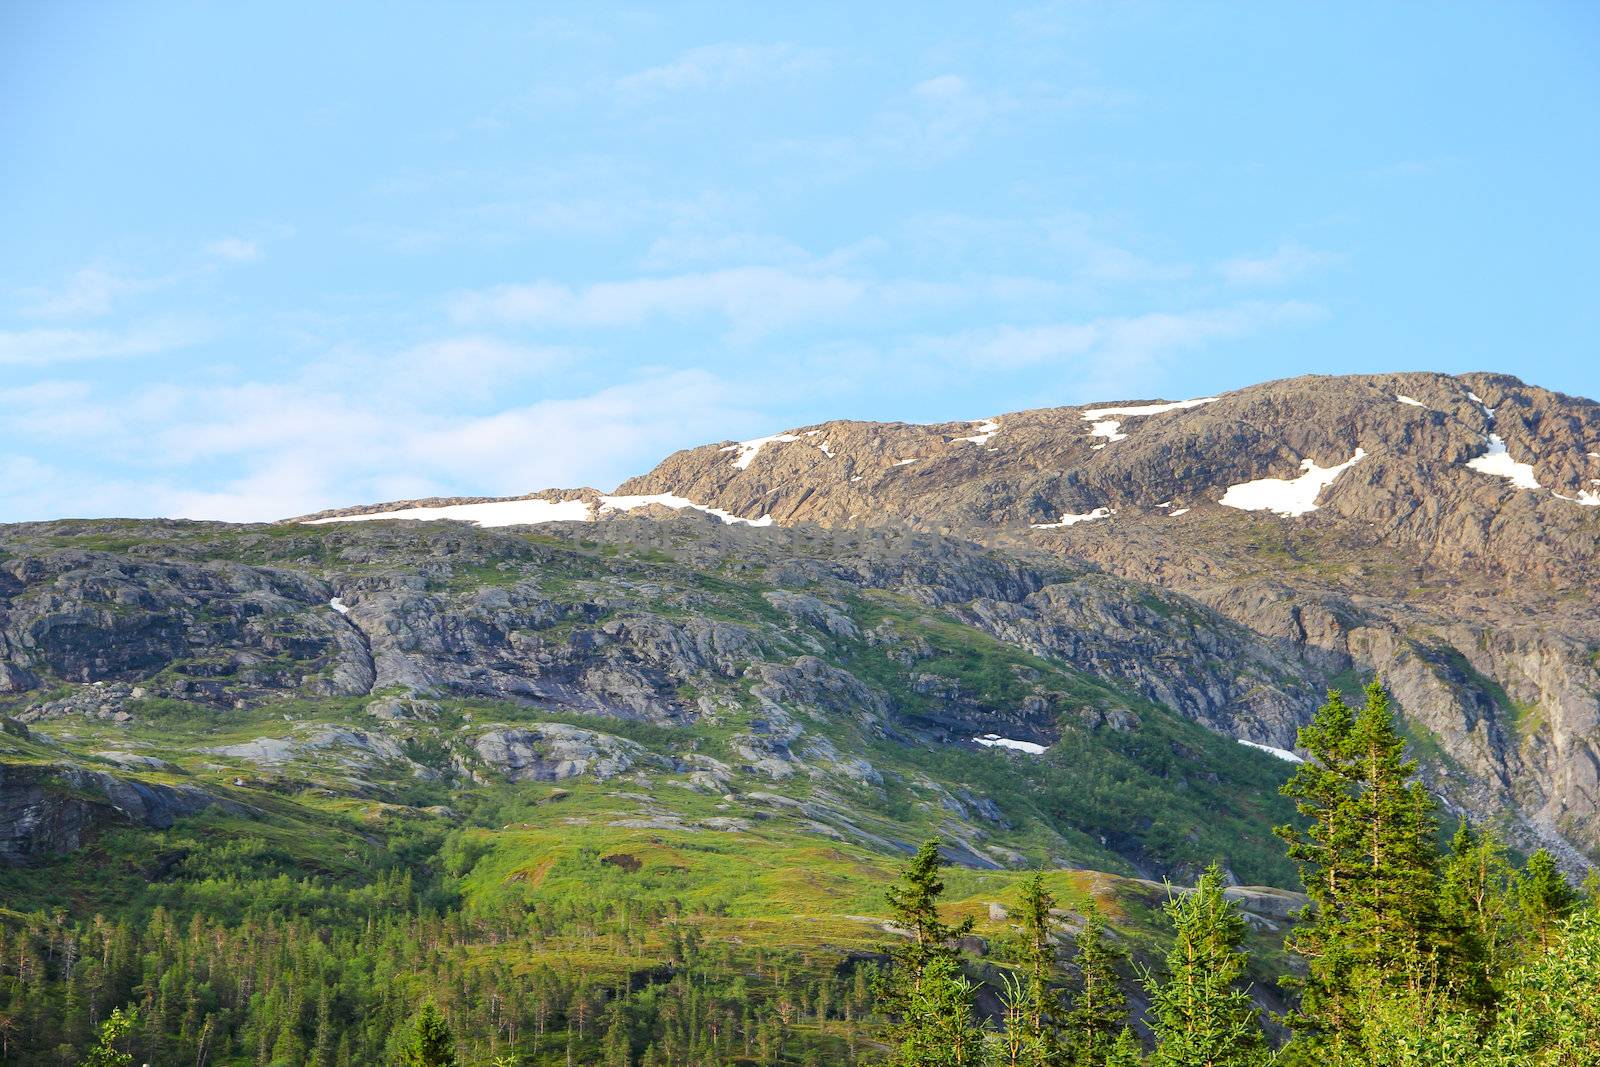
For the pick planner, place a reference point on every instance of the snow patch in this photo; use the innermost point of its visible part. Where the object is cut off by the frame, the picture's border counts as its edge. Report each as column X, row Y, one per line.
column 1584, row 497
column 1281, row 753
column 1103, row 425
column 902, row 462
column 996, row 741
column 1073, row 520
column 1498, row 462
column 489, row 513
column 1148, row 409
column 337, row 604
column 987, row 428
column 748, row 450
column 1408, row 400
column 676, row 503
column 495, row 513
column 1288, row 496
column 1180, row 511
column 1110, row 429
column 825, row 449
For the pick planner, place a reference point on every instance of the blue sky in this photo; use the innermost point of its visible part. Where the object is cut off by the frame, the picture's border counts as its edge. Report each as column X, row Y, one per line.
column 257, row 259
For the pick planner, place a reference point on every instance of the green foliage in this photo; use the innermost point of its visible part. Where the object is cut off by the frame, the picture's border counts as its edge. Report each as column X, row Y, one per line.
column 1368, row 861
column 1096, row 1022
column 430, row 1043
column 118, row 1027
column 1201, row 1015
column 1550, row 1014
column 939, row 1028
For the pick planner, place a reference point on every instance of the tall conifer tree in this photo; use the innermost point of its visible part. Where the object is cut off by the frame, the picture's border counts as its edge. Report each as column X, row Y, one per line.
column 1201, row 1015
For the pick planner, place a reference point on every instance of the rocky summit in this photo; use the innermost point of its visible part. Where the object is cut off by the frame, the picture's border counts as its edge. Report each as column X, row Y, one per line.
column 1036, row 634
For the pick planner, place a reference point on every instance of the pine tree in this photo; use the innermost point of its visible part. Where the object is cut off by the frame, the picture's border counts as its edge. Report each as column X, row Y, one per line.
column 1041, row 1006
column 914, row 904
column 1478, row 891
column 430, row 1043
column 940, row 1029
column 1200, row 1015
column 1369, row 865
column 1125, row 1050
column 1544, row 896
column 1099, row 1008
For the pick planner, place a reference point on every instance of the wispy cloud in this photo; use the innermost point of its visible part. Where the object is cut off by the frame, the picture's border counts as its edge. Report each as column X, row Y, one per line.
column 48, row 347
column 753, row 300
column 234, row 250
column 1114, row 356
column 1286, row 263
column 91, row 292
column 723, row 66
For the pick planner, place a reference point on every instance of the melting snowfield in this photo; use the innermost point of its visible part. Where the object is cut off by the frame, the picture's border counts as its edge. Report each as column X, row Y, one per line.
column 987, row 428
column 531, row 512
column 1073, row 520
column 1104, row 425
column 1498, row 462
column 1281, row 753
column 1288, row 496
column 748, row 450
column 996, row 741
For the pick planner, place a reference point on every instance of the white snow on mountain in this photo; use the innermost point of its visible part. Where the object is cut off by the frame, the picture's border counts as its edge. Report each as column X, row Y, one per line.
column 987, row 429
column 1103, row 425
column 748, row 450
column 488, row 513
column 996, row 741
column 1288, row 496
column 1073, row 520
column 494, row 513
column 1281, row 753
column 677, row 503
column 1498, row 462
column 1408, row 400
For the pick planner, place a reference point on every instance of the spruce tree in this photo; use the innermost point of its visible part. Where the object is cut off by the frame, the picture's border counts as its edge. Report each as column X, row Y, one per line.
column 1544, row 897
column 940, row 1029
column 1099, row 1008
column 430, row 1043
column 1125, row 1050
column 1200, row 1014
column 914, row 905
column 1368, row 862
column 1478, row 892
column 1041, row 1003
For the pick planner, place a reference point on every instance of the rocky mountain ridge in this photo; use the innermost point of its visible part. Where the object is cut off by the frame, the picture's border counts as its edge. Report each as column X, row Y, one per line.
column 1439, row 530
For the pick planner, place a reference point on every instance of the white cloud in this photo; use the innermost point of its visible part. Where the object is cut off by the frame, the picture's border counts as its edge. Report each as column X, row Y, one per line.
column 754, row 300
column 722, row 66
column 48, row 347
column 1109, row 357
column 263, row 450
column 234, row 250
column 89, row 293
column 1288, row 262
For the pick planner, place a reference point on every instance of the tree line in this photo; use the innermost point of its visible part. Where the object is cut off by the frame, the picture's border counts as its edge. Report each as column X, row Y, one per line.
column 1409, row 954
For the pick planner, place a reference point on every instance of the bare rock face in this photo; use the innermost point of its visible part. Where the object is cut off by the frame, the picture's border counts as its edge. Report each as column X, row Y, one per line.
column 1449, row 540
column 1227, row 558
column 554, row 752
column 46, row 810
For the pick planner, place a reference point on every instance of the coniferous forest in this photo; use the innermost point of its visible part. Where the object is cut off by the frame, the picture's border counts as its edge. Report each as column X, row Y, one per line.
column 1416, row 948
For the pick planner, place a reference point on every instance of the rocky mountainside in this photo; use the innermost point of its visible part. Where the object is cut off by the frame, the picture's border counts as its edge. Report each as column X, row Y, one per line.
column 1442, row 531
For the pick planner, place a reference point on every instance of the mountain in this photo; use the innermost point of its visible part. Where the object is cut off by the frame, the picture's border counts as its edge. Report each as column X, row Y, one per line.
column 1440, row 531
column 656, row 753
